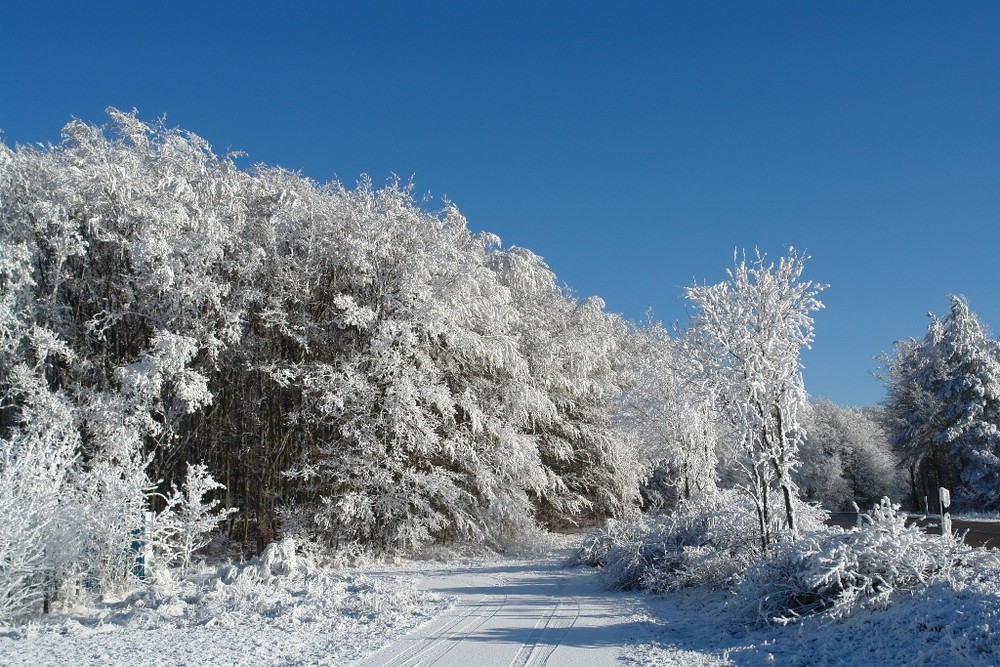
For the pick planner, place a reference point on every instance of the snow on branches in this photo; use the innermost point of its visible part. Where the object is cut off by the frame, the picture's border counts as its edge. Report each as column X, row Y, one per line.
column 753, row 327
column 187, row 520
column 944, row 405
column 395, row 377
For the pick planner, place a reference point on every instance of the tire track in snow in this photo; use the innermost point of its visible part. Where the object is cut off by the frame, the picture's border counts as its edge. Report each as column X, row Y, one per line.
column 430, row 649
column 554, row 628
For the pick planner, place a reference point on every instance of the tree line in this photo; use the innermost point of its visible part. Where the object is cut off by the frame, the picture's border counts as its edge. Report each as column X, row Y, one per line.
column 349, row 364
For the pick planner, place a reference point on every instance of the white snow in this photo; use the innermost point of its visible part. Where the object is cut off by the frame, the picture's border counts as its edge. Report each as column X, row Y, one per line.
column 521, row 613
column 488, row 611
column 273, row 611
column 941, row 626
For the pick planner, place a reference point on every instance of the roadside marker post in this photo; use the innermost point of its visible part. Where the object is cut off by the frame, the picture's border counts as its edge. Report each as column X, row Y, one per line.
column 945, row 498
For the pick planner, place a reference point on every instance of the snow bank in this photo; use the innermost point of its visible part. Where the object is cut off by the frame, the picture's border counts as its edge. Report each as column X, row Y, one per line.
column 277, row 609
column 947, row 624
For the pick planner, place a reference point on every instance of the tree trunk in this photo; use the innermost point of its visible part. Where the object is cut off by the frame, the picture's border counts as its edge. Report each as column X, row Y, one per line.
column 782, row 472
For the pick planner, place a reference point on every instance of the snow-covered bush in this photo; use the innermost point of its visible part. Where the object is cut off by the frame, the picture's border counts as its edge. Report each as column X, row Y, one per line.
column 283, row 589
column 38, row 451
column 188, row 519
column 835, row 572
column 282, row 559
column 258, row 585
column 703, row 543
column 31, row 476
column 825, row 570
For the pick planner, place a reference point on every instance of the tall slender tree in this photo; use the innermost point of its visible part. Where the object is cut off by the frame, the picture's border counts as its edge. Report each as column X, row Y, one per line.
column 753, row 327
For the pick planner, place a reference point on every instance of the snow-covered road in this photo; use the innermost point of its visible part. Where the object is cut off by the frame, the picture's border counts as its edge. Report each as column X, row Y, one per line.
column 519, row 615
column 490, row 612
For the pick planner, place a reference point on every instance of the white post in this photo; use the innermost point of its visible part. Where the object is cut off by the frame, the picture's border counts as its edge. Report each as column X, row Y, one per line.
column 945, row 497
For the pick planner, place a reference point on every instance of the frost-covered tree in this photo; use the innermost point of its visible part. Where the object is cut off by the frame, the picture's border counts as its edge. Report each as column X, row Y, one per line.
column 672, row 419
column 944, row 408
column 188, row 518
column 847, row 458
column 574, row 354
column 389, row 375
column 753, row 327
column 403, row 373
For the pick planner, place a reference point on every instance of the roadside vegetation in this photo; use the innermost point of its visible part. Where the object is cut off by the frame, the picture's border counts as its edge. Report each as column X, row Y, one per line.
column 195, row 356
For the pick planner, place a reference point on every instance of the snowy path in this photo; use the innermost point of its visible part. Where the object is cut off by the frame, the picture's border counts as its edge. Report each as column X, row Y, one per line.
column 505, row 613
column 519, row 615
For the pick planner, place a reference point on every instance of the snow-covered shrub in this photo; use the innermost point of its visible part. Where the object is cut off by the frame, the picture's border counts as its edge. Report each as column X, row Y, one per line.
column 282, row 560
column 30, row 475
column 620, row 549
column 37, row 455
column 703, row 543
column 286, row 587
column 283, row 590
column 186, row 523
column 835, row 572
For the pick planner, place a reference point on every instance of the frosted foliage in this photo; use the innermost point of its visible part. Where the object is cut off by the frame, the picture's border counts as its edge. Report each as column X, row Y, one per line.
column 707, row 543
column 167, row 362
column 575, row 353
column 187, row 520
column 38, row 444
column 847, row 458
column 672, row 420
column 752, row 328
column 429, row 390
column 34, row 467
column 110, row 289
column 838, row 572
column 944, row 404
column 391, row 376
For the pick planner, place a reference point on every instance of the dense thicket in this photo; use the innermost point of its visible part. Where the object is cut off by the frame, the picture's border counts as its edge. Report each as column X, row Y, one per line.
column 339, row 359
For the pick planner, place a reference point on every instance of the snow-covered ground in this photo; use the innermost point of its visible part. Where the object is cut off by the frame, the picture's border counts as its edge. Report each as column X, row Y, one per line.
column 938, row 627
column 521, row 613
column 488, row 611
column 282, row 612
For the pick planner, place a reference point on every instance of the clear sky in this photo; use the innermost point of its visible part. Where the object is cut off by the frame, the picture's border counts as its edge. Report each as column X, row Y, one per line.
column 634, row 145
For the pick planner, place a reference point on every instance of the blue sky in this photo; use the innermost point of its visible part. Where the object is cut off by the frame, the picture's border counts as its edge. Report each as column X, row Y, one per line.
column 634, row 145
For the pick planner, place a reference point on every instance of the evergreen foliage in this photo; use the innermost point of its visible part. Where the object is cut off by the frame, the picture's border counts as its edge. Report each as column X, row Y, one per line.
column 944, row 407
